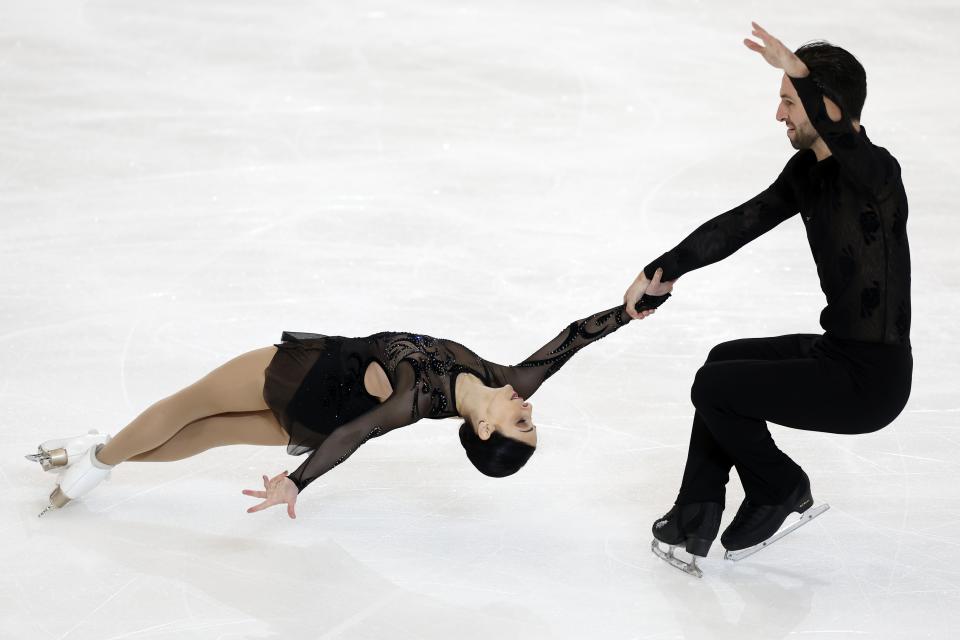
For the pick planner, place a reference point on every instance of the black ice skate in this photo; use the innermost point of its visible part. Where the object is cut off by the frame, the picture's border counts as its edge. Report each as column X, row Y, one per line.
column 692, row 526
column 755, row 525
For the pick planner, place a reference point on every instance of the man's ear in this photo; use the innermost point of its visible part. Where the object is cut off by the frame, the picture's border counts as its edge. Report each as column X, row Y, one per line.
column 833, row 111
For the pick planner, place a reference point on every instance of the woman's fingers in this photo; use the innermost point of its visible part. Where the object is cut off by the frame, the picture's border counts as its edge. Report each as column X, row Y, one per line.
column 630, row 299
column 260, row 507
column 274, row 494
column 753, row 46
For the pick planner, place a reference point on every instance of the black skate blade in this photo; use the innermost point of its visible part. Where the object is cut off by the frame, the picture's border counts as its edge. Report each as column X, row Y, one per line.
column 805, row 518
column 689, row 568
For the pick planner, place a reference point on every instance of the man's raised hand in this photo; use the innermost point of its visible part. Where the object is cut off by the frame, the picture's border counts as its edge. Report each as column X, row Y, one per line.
column 776, row 53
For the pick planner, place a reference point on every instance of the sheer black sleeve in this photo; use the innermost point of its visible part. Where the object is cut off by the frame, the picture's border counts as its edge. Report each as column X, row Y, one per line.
column 720, row 237
column 344, row 440
column 527, row 376
column 866, row 163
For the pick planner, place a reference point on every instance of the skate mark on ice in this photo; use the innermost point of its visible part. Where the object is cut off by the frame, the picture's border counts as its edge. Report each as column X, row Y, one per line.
column 178, row 627
column 99, row 606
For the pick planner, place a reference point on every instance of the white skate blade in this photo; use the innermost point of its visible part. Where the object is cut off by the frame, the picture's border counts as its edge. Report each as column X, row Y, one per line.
column 55, row 455
column 52, row 460
column 689, row 568
column 805, row 517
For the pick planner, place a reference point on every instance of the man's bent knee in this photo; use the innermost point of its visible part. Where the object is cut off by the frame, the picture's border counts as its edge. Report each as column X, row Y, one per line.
column 724, row 351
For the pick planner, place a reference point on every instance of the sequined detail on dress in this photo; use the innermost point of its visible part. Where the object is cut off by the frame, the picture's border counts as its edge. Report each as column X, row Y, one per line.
column 579, row 334
column 422, row 371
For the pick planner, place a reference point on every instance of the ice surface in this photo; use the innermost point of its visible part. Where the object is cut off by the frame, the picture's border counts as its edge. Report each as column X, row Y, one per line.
column 181, row 181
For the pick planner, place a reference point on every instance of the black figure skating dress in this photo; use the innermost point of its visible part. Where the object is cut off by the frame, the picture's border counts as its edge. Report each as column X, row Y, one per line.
column 314, row 384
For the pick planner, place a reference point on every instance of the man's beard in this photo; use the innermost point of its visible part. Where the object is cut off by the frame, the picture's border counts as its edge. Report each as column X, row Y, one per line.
column 804, row 138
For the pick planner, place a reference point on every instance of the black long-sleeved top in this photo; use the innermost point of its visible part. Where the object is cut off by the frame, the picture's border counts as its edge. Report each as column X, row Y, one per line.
column 854, row 209
column 422, row 371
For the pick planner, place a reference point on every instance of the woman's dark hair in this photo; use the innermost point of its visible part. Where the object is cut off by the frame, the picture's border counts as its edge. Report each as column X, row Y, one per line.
column 498, row 456
column 840, row 75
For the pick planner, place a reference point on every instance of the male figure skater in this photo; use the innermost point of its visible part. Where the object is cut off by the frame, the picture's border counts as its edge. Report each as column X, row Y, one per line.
column 855, row 378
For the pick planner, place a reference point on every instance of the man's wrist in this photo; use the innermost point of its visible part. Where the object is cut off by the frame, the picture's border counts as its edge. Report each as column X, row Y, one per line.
column 797, row 68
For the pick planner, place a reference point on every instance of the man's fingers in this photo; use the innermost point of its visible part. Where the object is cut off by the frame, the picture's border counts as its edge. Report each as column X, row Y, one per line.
column 764, row 35
column 753, row 46
column 290, row 511
column 255, row 494
column 656, row 278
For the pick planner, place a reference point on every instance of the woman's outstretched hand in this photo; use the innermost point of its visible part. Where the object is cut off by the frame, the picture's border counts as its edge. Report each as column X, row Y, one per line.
column 278, row 490
column 642, row 286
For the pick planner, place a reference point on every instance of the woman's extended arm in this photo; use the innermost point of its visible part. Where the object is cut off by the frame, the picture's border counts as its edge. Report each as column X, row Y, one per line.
column 527, row 376
column 396, row 412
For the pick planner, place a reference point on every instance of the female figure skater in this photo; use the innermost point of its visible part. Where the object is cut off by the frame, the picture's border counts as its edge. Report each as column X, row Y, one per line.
column 327, row 395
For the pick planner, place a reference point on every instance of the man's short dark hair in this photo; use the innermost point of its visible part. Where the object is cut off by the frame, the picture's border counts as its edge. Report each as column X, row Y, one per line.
column 839, row 75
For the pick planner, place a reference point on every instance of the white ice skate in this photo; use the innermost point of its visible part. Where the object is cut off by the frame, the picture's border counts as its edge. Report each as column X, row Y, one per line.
column 805, row 517
column 80, row 478
column 57, row 454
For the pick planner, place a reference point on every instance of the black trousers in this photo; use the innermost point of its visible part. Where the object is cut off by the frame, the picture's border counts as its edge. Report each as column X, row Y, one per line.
column 803, row 381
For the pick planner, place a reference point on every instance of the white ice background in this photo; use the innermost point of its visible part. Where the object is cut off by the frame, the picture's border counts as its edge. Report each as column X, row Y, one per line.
column 181, row 180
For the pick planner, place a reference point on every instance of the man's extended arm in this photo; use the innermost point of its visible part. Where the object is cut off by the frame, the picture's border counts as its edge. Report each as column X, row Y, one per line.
column 721, row 236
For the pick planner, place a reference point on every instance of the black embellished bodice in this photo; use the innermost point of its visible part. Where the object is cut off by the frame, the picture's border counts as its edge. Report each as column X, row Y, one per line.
column 854, row 210
column 422, row 371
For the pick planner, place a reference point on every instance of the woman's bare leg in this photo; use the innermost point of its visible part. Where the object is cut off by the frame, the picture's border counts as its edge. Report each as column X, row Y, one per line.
column 249, row 427
column 234, row 386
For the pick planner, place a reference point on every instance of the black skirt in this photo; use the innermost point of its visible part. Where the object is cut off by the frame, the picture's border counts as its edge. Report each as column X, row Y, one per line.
column 314, row 384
